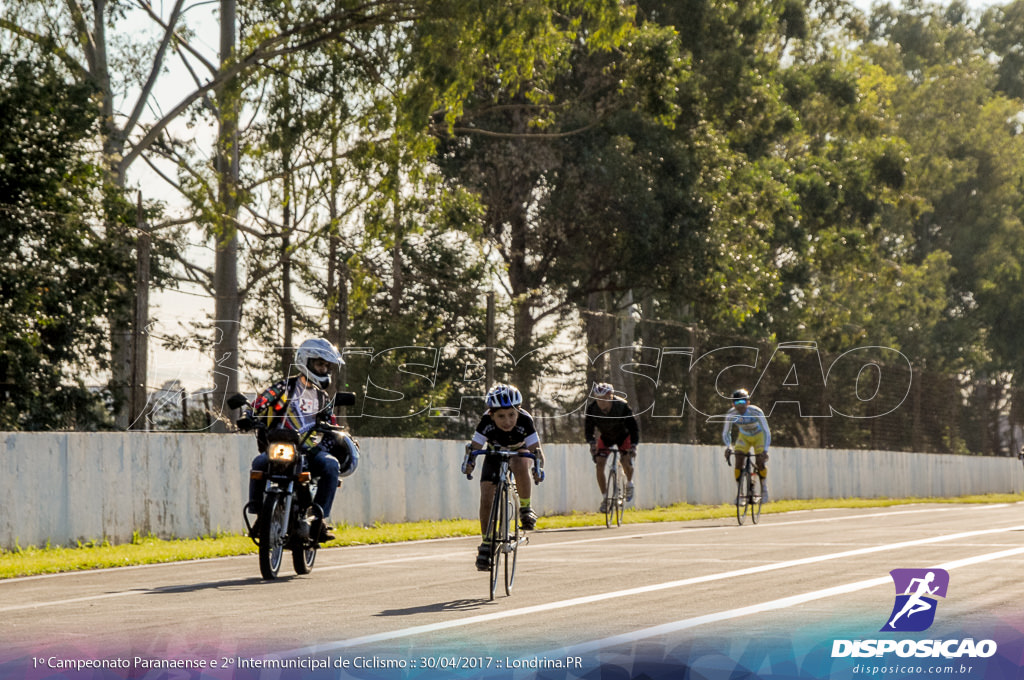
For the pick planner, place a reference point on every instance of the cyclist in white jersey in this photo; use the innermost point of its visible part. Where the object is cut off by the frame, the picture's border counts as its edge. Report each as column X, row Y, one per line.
column 753, row 433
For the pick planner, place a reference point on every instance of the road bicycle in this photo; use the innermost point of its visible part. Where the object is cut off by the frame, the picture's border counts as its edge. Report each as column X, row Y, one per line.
column 748, row 495
column 615, row 488
column 503, row 528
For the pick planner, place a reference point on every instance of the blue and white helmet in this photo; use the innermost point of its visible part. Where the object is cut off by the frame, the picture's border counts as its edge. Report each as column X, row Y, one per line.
column 317, row 348
column 504, row 396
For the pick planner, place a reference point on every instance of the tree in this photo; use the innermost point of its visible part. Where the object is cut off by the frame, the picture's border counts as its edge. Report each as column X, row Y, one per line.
column 512, row 145
column 56, row 278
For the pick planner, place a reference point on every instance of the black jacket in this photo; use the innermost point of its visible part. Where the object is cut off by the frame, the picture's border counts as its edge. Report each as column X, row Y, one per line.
column 614, row 426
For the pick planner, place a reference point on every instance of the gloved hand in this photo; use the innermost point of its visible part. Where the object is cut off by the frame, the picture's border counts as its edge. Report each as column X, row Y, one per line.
column 468, row 462
column 247, row 424
column 728, row 455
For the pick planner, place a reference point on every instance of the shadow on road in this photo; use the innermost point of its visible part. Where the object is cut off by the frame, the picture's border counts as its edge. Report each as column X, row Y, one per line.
column 212, row 585
column 453, row 606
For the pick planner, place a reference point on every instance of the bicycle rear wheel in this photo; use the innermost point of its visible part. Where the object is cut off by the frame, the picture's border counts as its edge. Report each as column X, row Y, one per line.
column 513, row 545
column 495, row 532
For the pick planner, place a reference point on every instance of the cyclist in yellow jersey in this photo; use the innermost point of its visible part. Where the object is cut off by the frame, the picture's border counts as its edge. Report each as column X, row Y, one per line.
column 753, row 433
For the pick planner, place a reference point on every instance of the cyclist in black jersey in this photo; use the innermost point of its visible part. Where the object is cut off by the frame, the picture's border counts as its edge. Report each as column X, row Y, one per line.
column 505, row 425
column 612, row 417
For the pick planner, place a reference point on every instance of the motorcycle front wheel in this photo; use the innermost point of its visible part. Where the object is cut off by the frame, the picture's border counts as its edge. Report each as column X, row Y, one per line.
column 273, row 530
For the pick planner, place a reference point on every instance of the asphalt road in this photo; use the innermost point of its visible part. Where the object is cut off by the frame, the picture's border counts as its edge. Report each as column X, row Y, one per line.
column 697, row 589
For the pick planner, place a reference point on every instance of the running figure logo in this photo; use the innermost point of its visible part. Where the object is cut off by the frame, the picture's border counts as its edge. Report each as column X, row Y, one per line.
column 914, row 609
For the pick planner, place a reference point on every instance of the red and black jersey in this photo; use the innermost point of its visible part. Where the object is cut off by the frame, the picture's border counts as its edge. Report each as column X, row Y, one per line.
column 615, row 426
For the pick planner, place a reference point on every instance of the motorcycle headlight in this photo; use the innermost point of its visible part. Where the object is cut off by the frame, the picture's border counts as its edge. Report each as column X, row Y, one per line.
column 282, row 452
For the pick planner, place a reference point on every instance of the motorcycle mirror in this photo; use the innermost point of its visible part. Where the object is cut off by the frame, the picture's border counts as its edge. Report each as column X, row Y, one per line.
column 345, row 399
column 237, row 401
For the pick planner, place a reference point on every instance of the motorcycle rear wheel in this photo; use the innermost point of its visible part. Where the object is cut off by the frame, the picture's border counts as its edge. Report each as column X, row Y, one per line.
column 273, row 530
column 304, row 556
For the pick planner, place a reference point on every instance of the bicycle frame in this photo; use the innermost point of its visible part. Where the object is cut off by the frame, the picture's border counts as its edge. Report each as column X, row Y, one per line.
column 747, row 499
column 615, row 488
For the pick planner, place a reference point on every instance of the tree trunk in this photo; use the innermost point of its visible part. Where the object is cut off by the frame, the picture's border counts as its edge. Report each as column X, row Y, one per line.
column 227, row 305
column 140, row 337
column 120, row 317
column 287, row 306
column 627, row 337
column 523, row 322
column 397, row 283
column 337, row 270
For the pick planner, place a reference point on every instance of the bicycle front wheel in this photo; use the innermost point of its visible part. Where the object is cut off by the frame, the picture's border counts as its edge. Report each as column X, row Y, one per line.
column 611, row 494
column 495, row 533
column 742, row 496
column 512, row 546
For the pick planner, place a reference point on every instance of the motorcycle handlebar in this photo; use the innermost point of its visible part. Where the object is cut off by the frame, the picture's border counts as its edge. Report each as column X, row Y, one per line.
column 345, row 399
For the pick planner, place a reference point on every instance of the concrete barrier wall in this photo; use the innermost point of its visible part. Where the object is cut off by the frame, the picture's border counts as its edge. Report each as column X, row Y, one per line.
column 62, row 488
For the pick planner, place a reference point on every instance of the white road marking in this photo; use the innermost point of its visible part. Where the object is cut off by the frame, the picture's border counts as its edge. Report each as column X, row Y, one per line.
column 781, row 603
column 760, row 569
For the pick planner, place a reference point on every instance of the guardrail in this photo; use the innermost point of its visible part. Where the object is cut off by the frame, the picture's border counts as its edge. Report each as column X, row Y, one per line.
column 62, row 488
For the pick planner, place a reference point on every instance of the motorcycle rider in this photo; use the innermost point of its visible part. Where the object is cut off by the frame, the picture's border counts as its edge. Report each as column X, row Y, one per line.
column 299, row 402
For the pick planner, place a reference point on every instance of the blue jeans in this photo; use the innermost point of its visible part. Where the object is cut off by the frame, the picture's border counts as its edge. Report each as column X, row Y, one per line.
column 320, row 464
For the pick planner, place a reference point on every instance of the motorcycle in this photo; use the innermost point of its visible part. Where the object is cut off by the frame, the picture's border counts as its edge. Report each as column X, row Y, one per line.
column 288, row 519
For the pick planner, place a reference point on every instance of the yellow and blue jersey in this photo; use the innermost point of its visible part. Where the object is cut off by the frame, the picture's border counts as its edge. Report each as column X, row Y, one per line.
column 750, row 424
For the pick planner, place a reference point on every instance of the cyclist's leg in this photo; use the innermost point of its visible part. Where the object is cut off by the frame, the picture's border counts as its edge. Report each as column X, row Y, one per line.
column 740, row 451
column 489, row 473
column 761, row 464
column 524, row 485
column 627, row 457
column 600, row 461
column 487, row 491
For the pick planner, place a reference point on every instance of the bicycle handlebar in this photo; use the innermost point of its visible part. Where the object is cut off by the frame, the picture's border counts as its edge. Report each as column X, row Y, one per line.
column 538, row 472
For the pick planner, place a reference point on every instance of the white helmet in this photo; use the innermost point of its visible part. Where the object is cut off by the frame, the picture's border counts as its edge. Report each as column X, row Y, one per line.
column 317, row 348
column 602, row 390
column 504, row 396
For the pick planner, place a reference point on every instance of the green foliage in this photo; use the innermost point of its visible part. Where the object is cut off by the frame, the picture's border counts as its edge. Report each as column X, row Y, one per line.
column 761, row 171
column 56, row 278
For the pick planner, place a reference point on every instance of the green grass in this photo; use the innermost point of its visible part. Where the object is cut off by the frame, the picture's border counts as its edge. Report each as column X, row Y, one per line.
column 151, row 550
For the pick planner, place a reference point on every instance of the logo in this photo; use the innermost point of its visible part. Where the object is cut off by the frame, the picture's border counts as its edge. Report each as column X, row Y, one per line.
column 914, row 609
